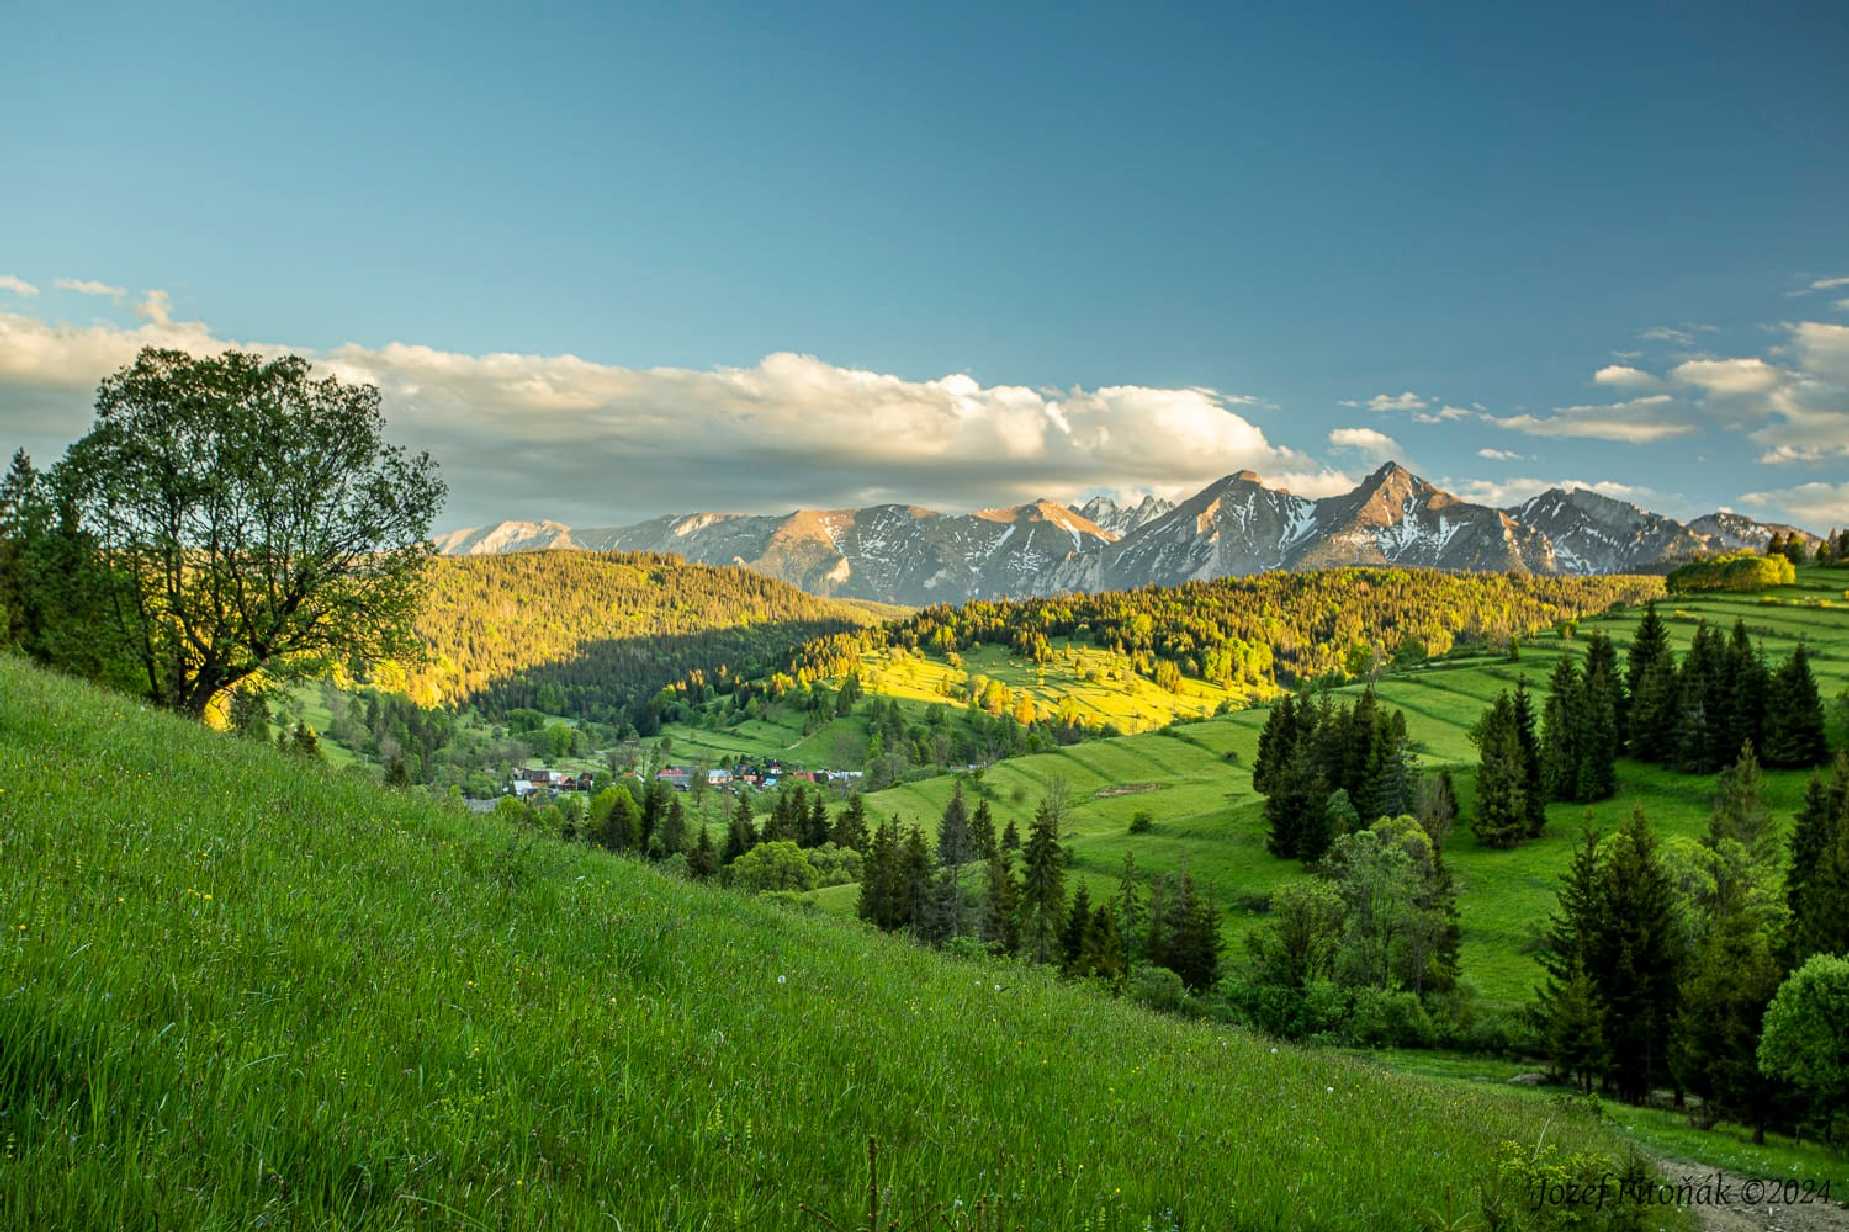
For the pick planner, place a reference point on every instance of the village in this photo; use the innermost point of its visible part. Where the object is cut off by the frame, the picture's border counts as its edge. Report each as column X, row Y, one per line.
column 534, row 784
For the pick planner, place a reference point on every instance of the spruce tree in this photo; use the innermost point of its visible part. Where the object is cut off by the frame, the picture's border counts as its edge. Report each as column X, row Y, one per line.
column 1794, row 716
column 742, row 834
column 703, row 860
column 1574, row 1030
column 1598, row 748
column 914, row 882
column 1740, row 811
column 1531, row 760
column 1000, row 928
column 1649, row 646
column 1818, row 922
column 1011, row 837
column 1501, row 818
column 954, row 846
column 1296, row 810
column 1564, row 725
column 1102, row 954
column 1566, row 945
column 1072, row 939
column 982, row 830
column 1636, row 960
column 1192, row 940
column 850, row 828
column 671, row 834
column 1128, row 905
column 1043, row 890
column 1655, row 712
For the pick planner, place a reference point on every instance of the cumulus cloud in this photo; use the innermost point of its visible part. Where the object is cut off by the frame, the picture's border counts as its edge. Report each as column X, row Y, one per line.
column 1500, row 455
column 17, row 285
column 1365, row 441
column 1728, row 377
column 524, row 435
column 89, row 286
column 1314, row 484
column 1815, row 506
column 1624, row 376
column 1636, row 422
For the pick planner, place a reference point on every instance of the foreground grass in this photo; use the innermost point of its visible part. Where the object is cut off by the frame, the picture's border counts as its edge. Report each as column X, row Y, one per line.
column 239, row 991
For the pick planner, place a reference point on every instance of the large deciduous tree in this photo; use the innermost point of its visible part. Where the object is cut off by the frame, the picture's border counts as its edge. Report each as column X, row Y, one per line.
column 248, row 517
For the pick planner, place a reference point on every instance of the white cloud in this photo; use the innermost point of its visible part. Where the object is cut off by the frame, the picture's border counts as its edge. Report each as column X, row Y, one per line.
column 1821, row 284
column 1636, row 422
column 591, row 443
column 1624, row 376
column 89, row 286
column 1408, row 401
column 1816, row 506
column 1728, row 377
column 17, row 285
column 1365, row 441
column 1500, row 455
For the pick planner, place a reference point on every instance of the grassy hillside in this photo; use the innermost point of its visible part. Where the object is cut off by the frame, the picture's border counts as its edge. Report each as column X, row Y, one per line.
column 244, row 991
column 1209, row 819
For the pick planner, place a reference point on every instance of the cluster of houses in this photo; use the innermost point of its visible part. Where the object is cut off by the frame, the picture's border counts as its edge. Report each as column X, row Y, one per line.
column 765, row 776
column 529, row 783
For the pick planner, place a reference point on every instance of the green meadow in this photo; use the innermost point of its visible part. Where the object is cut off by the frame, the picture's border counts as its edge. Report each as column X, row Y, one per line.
column 247, row 991
column 1209, row 821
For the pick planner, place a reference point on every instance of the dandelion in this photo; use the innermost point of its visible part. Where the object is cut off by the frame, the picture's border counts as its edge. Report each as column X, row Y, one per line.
column 1331, row 1090
column 783, row 979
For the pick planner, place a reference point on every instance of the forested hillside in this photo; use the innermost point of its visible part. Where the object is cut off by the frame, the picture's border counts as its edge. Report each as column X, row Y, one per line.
column 595, row 635
column 1274, row 629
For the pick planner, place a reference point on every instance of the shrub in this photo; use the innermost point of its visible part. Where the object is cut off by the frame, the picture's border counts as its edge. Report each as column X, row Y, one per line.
column 1383, row 1019
column 1142, row 823
column 1158, row 988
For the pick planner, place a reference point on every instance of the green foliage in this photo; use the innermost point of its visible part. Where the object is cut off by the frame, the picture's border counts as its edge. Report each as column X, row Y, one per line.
column 1733, row 571
column 243, row 518
column 1806, row 1038
column 775, row 865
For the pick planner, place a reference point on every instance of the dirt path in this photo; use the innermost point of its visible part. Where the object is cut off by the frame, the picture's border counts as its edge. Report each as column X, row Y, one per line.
column 1733, row 1213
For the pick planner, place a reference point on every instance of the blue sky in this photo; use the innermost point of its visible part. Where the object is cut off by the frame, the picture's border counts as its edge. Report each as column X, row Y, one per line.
column 1082, row 220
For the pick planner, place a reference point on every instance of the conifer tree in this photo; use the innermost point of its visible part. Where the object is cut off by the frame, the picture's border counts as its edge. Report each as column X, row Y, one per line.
column 915, row 876
column 982, row 831
column 1575, row 1030
column 1636, row 960
column 850, row 829
column 1501, row 818
column 1043, row 890
column 1564, row 725
column 671, row 834
column 1192, row 941
column 1001, row 906
column 1598, row 749
column 1072, row 940
column 954, row 845
column 815, row 825
column 1011, row 837
column 1740, row 811
column 1654, row 712
column 1437, row 808
column 1128, row 905
column 1747, row 686
column 1296, row 809
column 1536, row 795
column 703, row 859
column 1817, row 879
column 1794, row 716
column 1102, row 954
column 742, row 834
column 1649, row 646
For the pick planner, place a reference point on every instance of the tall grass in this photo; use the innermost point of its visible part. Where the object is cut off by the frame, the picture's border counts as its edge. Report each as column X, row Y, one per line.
column 237, row 991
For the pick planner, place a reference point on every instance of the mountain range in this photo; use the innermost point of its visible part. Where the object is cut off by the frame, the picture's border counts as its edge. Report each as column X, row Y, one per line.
column 1235, row 525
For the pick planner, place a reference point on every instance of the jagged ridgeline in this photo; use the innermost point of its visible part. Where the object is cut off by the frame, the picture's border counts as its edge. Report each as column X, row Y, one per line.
column 597, row 634
column 1269, row 630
